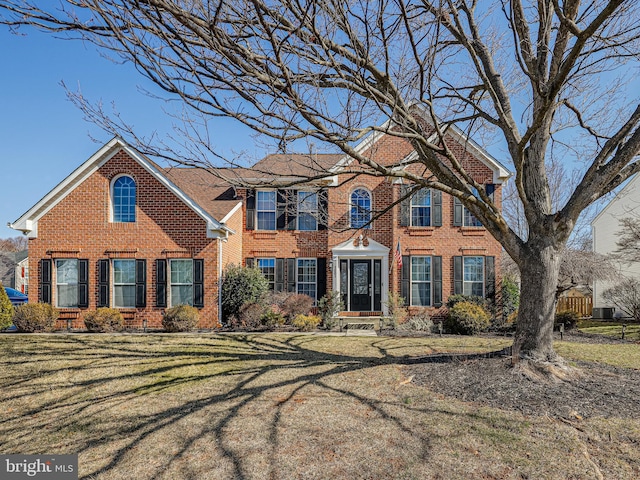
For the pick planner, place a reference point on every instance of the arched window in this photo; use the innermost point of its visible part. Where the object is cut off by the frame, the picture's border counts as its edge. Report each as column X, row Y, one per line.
column 123, row 195
column 360, row 208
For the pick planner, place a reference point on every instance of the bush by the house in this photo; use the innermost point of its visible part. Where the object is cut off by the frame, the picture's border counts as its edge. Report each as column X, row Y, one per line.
column 104, row 320
column 250, row 316
column 568, row 317
column 241, row 285
column 418, row 321
column 397, row 311
column 272, row 318
column 306, row 323
column 6, row 309
column 35, row 317
column 475, row 299
column 181, row 318
column 329, row 307
column 467, row 318
column 297, row 304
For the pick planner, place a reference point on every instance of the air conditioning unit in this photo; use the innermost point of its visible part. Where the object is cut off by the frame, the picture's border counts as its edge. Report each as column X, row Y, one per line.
column 603, row 313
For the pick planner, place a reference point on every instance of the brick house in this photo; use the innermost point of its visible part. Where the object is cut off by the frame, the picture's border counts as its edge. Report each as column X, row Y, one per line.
column 120, row 231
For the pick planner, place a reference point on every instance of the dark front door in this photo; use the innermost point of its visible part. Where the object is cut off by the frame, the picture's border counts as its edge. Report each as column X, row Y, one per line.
column 360, row 285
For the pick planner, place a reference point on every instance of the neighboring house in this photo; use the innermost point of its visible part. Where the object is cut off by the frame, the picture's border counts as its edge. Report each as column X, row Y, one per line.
column 22, row 275
column 122, row 232
column 9, row 262
column 606, row 232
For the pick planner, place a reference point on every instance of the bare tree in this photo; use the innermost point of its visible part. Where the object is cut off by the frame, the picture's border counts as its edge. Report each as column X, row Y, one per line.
column 547, row 77
column 14, row 244
column 629, row 242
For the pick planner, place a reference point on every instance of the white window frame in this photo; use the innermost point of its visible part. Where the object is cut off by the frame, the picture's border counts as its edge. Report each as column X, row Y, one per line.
column 367, row 223
column 300, row 283
column 113, row 199
column 429, row 281
column 469, row 290
column 272, row 261
column 312, row 212
column 67, row 283
column 115, row 284
column 429, row 206
column 259, row 193
column 179, row 284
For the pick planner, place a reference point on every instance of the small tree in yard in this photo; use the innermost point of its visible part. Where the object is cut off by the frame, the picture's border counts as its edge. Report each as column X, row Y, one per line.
column 241, row 285
column 6, row 309
column 626, row 297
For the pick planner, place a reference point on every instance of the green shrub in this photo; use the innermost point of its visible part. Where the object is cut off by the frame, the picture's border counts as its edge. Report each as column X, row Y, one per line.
column 475, row 299
column 272, row 318
column 568, row 317
column 241, row 285
column 329, row 307
column 467, row 318
column 397, row 311
column 306, row 323
column 250, row 316
column 35, row 317
column 297, row 304
column 509, row 297
column 181, row 318
column 6, row 309
column 104, row 320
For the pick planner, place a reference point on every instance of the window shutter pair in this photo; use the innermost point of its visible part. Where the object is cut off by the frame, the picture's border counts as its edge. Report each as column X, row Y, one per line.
column 104, row 282
column 436, row 280
column 458, row 207
column 46, row 276
column 286, row 209
column 405, row 207
column 162, row 282
column 489, row 277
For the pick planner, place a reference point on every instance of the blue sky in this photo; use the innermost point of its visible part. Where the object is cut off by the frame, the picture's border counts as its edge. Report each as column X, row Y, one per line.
column 43, row 136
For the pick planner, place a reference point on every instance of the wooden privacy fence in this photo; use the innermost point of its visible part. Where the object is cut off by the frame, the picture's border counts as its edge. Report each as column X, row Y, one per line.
column 583, row 306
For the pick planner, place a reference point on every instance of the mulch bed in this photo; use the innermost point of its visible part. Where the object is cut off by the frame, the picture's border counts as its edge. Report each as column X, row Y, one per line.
column 601, row 390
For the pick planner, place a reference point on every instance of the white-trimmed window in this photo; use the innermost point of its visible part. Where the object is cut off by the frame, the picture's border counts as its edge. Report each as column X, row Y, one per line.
column 307, row 276
column 124, row 283
column 307, row 210
column 360, row 208
column 473, row 276
column 266, row 210
column 421, row 208
column 268, row 268
column 421, row 281
column 468, row 219
column 181, row 281
column 67, row 283
column 123, row 197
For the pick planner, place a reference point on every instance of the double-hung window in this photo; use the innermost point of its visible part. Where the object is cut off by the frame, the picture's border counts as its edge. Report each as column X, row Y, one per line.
column 360, row 208
column 473, row 276
column 307, row 276
column 268, row 268
column 67, row 283
column 421, row 208
column 124, row 283
column 307, row 210
column 181, row 277
column 266, row 210
column 421, row 281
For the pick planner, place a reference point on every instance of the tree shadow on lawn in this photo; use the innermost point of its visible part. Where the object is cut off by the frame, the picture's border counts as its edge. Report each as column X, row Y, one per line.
column 100, row 393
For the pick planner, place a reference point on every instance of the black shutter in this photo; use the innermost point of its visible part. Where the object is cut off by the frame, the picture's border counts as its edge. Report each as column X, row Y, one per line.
column 405, row 207
column 141, row 283
column 490, row 278
column 292, row 209
column 489, row 188
column 436, row 201
column 436, row 262
column 249, row 262
column 457, row 212
column 103, row 283
column 405, row 277
column 279, row 285
column 457, row 275
column 251, row 209
column 321, row 278
column 323, row 209
column 291, row 274
column 161, row 282
column 281, row 210
column 46, row 265
column 83, row 283
column 198, row 282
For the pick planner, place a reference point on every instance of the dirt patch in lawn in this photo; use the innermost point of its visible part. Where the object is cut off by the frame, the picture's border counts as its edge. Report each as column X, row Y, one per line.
column 601, row 390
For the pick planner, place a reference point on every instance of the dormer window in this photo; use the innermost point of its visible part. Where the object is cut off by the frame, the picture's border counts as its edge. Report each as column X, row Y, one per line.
column 360, row 208
column 123, row 195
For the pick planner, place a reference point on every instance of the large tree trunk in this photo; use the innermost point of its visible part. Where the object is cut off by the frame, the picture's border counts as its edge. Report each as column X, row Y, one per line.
column 539, row 267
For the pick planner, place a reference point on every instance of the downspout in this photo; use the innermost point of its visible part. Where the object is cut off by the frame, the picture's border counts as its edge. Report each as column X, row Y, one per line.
column 220, row 240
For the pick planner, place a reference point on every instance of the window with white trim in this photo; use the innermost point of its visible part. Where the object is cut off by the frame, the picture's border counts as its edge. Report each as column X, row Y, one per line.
column 360, row 208
column 307, row 210
column 268, row 268
column 421, row 208
column 181, row 281
column 124, row 283
column 473, row 276
column 421, row 281
column 123, row 196
column 67, row 283
column 468, row 218
column 307, row 276
column 266, row 210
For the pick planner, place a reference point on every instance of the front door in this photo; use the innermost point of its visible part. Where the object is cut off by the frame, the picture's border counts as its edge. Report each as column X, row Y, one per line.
column 360, row 285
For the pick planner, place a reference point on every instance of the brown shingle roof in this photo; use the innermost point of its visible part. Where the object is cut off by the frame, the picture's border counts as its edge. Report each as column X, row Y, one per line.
column 296, row 164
